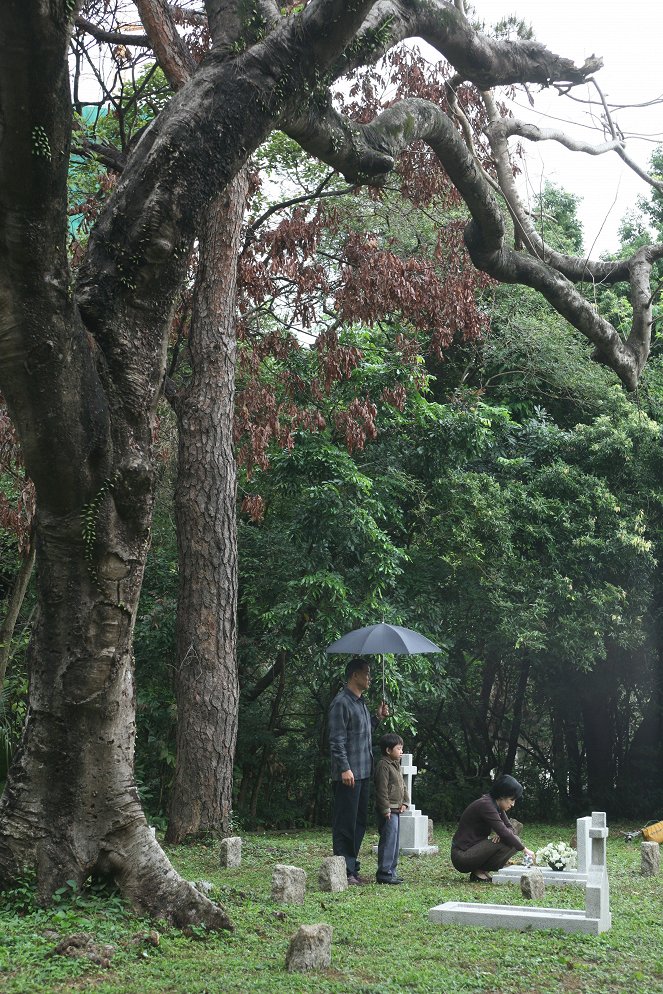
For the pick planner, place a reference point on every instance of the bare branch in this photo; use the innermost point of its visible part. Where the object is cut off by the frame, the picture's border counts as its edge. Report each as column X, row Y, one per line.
column 110, row 157
column 316, row 194
column 183, row 16
column 512, row 126
column 112, row 37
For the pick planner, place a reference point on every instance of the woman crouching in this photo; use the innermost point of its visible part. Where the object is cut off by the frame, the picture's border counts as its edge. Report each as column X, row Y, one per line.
column 471, row 850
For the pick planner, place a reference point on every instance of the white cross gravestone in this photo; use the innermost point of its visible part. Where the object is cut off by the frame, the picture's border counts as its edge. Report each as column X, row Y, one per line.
column 561, row 878
column 594, row 918
column 414, row 825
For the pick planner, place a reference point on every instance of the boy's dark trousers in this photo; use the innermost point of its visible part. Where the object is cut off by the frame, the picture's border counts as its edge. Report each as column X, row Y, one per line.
column 349, row 821
column 388, row 845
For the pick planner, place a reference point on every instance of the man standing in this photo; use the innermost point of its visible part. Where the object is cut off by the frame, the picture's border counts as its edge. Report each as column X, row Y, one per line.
column 350, row 741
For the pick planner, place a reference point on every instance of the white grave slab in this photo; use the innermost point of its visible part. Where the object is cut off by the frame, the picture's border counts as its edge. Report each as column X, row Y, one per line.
column 595, row 917
column 562, row 878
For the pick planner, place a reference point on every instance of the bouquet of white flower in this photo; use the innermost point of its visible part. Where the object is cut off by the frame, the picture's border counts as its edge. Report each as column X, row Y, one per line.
column 557, row 855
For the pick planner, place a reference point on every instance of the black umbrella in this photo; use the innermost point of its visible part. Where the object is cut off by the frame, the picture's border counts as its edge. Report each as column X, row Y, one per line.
column 375, row 640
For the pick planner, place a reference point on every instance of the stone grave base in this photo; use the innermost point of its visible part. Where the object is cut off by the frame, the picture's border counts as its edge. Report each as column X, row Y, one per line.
column 419, row 851
column 556, row 878
column 516, row 917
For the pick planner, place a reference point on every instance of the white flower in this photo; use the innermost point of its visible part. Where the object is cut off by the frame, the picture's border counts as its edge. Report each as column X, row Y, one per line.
column 557, row 855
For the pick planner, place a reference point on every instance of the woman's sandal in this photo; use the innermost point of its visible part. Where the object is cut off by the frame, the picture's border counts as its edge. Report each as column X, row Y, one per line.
column 480, row 877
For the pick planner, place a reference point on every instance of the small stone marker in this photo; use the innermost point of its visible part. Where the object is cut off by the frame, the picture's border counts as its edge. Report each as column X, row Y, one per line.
column 532, row 884
column 288, row 884
column 333, row 875
column 650, row 859
column 231, row 851
column 518, row 826
column 431, row 837
column 309, row 949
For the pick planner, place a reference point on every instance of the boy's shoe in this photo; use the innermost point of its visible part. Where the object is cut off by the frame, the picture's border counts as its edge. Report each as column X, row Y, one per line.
column 389, row 880
column 361, row 880
column 353, row 881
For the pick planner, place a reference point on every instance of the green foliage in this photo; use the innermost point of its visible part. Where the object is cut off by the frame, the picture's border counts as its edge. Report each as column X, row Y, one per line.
column 41, row 146
column 90, row 516
column 113, row 127
column 556, row 219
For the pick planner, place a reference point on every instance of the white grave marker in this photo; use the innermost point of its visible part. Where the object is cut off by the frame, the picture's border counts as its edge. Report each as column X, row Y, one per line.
column 593, row 919
column 413, row 825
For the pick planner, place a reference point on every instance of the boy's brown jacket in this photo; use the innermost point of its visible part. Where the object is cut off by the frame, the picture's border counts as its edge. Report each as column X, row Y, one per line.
column 390, row 790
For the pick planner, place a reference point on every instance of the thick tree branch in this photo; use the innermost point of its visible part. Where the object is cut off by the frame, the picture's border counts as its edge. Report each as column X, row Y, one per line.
column 485, row 61
column 354, row 149
column 231, row 23
column 172, row 54
column 576, row 269
column 46, row 363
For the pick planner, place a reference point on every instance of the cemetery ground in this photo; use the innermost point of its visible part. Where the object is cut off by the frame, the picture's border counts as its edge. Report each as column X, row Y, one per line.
column 383, row 942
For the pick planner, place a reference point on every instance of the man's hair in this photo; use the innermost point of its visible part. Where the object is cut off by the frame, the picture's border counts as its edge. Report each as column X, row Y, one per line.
column 506, row 786
column 355, row 664
column 388, row 741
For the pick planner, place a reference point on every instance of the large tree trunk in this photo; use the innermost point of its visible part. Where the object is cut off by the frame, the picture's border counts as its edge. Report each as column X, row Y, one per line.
column 206, row 682
column 71, row 806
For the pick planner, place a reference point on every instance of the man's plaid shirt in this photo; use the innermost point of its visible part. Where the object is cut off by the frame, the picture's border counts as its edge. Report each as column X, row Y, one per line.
column 350, row 736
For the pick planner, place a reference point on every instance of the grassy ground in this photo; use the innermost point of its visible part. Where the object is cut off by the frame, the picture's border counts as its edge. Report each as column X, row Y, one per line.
column 382, row 940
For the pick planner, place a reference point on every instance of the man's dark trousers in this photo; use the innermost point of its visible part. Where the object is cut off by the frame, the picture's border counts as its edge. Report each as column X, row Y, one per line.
column 349, row 821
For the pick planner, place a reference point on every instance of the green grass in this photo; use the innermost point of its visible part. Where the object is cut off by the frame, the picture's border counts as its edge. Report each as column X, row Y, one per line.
column 382, row 940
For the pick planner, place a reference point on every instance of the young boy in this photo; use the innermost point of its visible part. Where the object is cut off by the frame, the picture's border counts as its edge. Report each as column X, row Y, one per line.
column 390, row 800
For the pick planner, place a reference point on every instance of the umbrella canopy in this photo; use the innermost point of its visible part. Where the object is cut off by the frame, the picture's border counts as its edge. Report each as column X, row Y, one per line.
column 380, row 639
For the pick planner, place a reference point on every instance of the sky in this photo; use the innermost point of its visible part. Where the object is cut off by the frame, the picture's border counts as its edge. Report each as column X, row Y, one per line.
column 628, row 37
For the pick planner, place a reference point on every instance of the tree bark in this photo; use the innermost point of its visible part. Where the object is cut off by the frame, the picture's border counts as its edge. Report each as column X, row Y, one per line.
column 71, row 806
column 206, row 681
column 14, row 604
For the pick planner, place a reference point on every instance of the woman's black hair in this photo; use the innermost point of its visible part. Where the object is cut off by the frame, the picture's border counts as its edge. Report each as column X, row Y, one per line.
column 506, row 786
